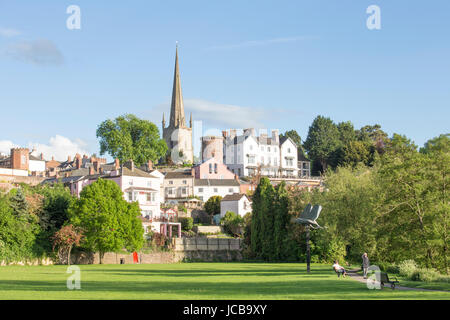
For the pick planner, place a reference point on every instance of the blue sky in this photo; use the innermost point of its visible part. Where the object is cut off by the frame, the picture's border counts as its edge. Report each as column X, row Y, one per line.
column 266, row 64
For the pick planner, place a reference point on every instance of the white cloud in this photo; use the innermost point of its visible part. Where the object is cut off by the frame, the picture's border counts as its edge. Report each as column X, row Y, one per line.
column 58, row 147
column 38, row 52
column 6, row 145
column 225, row 116
column 8, row 32
column 213, row 114
column 254, row 43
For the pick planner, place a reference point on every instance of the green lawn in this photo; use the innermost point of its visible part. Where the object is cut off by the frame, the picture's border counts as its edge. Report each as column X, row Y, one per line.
column 417, row 284
column 192, row 281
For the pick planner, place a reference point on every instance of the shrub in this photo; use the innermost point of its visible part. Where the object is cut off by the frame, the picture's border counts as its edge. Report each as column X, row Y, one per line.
column 407, row 268
column 424, row 274
column 188, row 234
column 159, row 239
column 186, row 223
column 232, row 223
column 393, row 268
column 388, row 267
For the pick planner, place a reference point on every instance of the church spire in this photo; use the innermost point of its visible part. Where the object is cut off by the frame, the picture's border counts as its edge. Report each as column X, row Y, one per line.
column 177, row 109
column 163, row 121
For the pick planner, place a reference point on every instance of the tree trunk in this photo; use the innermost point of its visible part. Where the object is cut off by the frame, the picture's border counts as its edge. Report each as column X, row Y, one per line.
column 68, row 256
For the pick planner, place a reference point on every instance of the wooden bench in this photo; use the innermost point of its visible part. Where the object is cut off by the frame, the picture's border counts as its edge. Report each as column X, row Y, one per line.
column 384, row 278
column 339, row 273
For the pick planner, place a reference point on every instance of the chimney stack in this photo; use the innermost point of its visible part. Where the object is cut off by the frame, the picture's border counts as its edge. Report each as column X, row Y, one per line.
column 149, row 165
column 117, row 164
column 96, row 166
column 69, row 159
column 91, row 170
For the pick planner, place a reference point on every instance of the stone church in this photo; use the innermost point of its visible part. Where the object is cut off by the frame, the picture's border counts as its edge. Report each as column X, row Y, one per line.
column 177, row 135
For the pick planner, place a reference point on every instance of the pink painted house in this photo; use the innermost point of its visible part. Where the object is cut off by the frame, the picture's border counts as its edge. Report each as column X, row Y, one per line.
column 212, row 169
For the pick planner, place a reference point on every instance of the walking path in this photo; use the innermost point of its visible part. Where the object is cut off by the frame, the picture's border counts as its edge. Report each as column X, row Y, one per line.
column 354, row 275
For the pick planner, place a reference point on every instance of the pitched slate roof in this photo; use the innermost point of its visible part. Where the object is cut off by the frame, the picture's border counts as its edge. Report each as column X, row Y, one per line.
column 178, row 175
column 136, row 173
column 33, row 158
column 234, row 197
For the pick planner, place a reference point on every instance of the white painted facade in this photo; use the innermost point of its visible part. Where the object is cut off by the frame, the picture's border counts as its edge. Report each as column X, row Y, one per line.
column 36, row 165
column 243, row 154
column 146, row 191
column 13, row 172
column 289, row 163
column 206, row 192
column 240, row 207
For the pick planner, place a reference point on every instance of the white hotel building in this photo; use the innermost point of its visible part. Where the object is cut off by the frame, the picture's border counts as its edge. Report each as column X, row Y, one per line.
column 276, row 157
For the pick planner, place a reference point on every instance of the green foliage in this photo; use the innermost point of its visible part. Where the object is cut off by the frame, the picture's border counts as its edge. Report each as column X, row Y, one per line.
column 232, row 223
column 16, row 235
column 109, row 223
column 424, row 274
column 56, row 200
column 407, row 268
column 281, row 221
column 187, row 223
column 322, row 141
column 128, row 137
column 212, row 206
column 262, row 236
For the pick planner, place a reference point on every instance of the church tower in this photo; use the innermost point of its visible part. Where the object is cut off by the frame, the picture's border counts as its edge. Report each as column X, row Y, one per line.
column 177, row 136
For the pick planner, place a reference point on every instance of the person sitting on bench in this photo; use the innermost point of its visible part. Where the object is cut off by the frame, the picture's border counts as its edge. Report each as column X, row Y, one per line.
column 339, row 269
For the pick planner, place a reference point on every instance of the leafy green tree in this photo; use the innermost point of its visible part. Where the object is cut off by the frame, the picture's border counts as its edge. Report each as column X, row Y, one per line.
column 281, row 221
column 347, row 132
column 187, row 223
column 128, row 137
column 64, row 239
column 371, row 133
column 16, row 235
column 293, row 134
column 232, row 223
column 56, row 200
column 322, row 141
column 437, row 153
column 375, row 136
column 262, row 220
column 212, row 206
column 109, row 223
column 408, row 216
column 19, row 205
column 355, row 152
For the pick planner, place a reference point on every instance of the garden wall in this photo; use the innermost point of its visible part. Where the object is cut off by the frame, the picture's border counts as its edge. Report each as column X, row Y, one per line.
column 184, row 249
